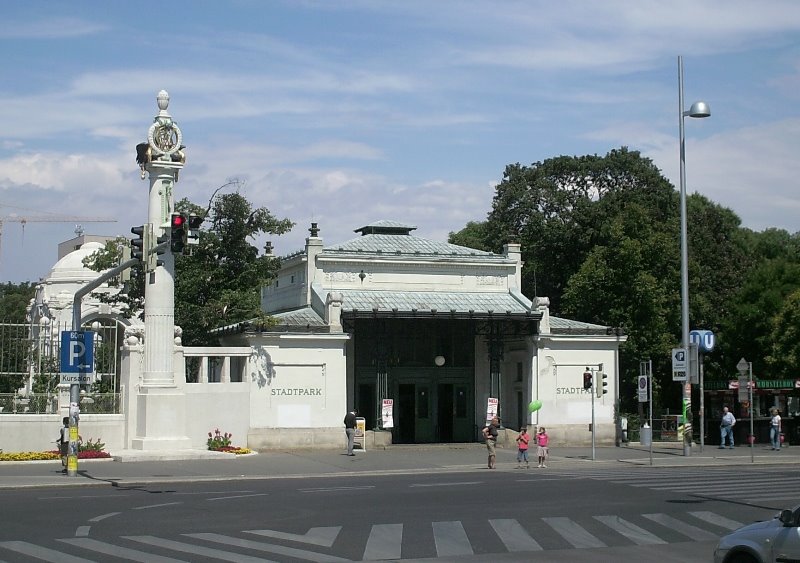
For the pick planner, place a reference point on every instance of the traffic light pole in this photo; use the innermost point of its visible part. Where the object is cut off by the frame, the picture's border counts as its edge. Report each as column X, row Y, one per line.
column 75, row 388
column 594, row 384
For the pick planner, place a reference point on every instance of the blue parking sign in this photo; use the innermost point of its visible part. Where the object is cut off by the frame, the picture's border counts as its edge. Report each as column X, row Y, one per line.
column 77, row 356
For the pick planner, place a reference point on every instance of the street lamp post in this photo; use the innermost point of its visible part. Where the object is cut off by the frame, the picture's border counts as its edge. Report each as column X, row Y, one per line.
column 698, row 109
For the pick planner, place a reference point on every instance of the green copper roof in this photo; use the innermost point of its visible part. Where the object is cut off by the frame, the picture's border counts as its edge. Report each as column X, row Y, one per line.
column 432, row 301
column 405, row 245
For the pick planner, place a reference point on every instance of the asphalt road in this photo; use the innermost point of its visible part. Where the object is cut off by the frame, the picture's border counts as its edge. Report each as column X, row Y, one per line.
column 629, row 514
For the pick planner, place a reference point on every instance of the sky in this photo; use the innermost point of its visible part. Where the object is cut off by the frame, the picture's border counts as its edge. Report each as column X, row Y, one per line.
column 348, row 112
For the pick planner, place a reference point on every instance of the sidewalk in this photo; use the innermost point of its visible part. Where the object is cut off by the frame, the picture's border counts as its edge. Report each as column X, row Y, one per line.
column 134, row 468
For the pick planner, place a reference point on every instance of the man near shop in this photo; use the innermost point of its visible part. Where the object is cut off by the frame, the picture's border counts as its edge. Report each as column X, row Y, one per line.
column 726, row 425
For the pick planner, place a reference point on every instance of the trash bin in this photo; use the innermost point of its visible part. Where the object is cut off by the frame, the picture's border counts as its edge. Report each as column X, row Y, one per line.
column 645, row 435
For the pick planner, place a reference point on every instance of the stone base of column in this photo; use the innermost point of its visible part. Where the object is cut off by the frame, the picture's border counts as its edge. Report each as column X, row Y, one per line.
column 161, row 420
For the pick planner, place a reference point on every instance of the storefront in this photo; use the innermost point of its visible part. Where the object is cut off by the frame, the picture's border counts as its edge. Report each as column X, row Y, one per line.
column 781, row 393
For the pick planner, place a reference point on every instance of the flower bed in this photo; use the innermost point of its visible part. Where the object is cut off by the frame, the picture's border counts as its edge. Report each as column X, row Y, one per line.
column 233, row 450
column 221, row 442
column 91, row 449
column 50, row 455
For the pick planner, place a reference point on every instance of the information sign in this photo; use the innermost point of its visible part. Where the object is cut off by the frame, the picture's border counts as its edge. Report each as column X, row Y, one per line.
column 77, row 356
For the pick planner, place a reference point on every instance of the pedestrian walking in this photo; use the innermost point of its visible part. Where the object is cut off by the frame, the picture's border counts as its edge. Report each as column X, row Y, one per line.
column 522, row 444
column 350, row 430
column 490, row 436
column 775, row 429
column 63, row 442
column 726, row 425
column 542, row 450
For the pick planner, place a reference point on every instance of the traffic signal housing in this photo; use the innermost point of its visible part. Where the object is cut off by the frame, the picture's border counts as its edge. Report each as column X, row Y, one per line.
column 602, row 384
column 154, row 260
column 178, row 232
column 194, row 222
column 141, row 244
column 587, row 380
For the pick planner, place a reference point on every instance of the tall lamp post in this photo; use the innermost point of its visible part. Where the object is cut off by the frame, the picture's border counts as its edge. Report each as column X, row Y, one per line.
column 698, row 109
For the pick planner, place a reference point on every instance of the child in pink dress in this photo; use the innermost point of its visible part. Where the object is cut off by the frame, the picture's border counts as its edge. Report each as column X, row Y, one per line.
column 541, row 443
column 522, row 442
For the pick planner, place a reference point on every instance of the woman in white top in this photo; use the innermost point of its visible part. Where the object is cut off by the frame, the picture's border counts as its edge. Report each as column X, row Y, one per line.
column 775, row 429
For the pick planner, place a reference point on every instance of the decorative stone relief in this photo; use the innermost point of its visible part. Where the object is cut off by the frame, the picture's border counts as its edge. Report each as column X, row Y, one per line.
column 341, row 277
column 490, row 280
column 134, row 335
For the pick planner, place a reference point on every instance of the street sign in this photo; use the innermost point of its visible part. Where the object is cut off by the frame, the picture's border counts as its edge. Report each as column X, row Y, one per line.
column 694, row 363
column 642, row 389
column 77, row 356
column 744, row 388
column 704, row 339
column 679, row 364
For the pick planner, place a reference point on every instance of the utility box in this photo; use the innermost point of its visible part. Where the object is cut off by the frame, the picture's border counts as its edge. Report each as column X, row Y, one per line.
column 360, row 438
column 645, row 435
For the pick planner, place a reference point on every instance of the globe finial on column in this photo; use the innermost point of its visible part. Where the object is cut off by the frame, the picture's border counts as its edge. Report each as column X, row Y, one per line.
column 163, row 102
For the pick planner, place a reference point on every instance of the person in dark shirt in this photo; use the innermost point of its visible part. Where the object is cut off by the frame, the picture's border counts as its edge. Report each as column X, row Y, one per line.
column 490, row 435
column 350, row 429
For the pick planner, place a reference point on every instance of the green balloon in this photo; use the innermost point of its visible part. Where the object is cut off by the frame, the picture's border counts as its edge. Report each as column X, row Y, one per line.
column 534, row 406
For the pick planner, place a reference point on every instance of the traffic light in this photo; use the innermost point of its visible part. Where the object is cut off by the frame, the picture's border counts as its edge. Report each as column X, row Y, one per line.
column 124, row 256
column 141, row 244
column 587, row 379
column 178, row 233
column 153, row 261
column 194, row 222
column 602, row 383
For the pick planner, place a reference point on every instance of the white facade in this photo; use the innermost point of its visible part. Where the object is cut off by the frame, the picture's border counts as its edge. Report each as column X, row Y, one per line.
column 289, row 385
column 388, row 273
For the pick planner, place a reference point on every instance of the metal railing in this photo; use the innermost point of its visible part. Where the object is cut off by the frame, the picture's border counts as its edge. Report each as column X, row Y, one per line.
column 47, row 403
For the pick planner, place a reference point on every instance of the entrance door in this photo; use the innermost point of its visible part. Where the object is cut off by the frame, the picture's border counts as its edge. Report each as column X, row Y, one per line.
column 446, row 412
column 406, row 413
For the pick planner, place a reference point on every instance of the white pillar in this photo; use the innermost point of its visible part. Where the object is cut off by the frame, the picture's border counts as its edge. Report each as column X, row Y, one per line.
column 159, row 300
column 161, row 398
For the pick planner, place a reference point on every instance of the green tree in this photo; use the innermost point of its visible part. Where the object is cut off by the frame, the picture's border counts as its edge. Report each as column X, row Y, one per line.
column 220, row 283
column 473, row 235
column 784, row 359
column 559, row 209
column 747, row 330
column 14, row 347
column 629, row 284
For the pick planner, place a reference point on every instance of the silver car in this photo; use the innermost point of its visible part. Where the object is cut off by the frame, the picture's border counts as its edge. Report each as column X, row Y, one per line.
column 773, row 541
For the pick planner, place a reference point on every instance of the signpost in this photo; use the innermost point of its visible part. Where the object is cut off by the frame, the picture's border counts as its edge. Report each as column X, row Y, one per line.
column 646, row 383
column 745, row 367
column 77, row 368
column 679, row 364
column 705, row 341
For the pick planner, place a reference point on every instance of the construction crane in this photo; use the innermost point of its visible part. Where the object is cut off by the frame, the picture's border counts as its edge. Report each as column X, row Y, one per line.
column 51, row 218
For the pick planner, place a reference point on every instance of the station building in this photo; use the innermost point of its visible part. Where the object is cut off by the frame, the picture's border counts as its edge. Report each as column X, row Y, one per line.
column 438, row 328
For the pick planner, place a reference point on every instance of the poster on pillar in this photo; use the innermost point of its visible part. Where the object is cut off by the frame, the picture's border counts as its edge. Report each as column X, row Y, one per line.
column 387, row 406
column 491, row 409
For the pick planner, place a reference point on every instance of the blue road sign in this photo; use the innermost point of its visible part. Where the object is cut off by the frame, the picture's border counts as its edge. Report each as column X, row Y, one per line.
column 703, row 338
column 77, row 356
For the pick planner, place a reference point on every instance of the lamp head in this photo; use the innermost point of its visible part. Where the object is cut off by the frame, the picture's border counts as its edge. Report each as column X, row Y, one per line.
column 698, row 109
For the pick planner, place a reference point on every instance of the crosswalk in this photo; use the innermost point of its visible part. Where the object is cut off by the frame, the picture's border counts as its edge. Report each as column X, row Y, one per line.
column 389, row 541
column 776, row 487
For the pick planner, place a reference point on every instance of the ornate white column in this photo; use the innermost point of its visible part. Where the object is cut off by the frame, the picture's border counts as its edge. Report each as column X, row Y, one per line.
column 165, row 162
column 161, row 401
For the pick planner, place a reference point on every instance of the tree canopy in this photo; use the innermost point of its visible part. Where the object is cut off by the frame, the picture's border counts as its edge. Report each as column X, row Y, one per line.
column 220, row 282
column 600, row 237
